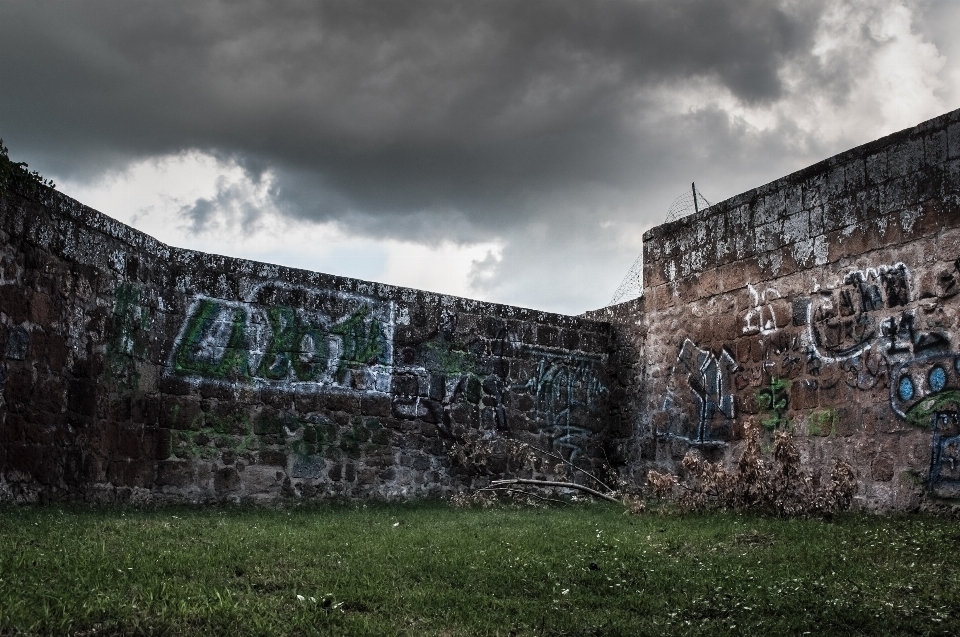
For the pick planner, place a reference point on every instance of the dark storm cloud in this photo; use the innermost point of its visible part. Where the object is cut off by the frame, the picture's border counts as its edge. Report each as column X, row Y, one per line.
column 426, row 118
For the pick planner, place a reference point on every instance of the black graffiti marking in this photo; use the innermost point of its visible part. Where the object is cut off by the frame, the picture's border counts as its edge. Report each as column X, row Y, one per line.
column 948, row 285
column 847, row 308
column 564, row 388
column 843, row 325
column 896, row 284
column 900, row 333
column 709, row 381
column 930, row 341
column 905, row 340
column 944, row 451
column 865, row 371
column 858, row 331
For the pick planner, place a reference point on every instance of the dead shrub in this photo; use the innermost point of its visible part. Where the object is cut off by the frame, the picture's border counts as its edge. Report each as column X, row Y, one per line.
column 780, row 487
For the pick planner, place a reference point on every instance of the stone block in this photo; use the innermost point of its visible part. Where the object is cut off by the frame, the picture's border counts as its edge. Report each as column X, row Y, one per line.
column 174, row 386
column 814, row 191
column 919, row 221
column 905, row 158
column 935, row 148
column 876, row 168
column 835, row 182
column 768, row 209
column 548, row 336
column 882, row 231
column 128, row 442
column 271, row 457
column 882, row 467
column 953, row 141
column 796, row 227
column 769, row 236
column 349, row 403
column 82, row 398
column 840, row 213
column 855, row 174
column 226, row 481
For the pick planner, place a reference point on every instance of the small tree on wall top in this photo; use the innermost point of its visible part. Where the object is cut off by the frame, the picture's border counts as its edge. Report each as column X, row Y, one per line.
column 15, row 176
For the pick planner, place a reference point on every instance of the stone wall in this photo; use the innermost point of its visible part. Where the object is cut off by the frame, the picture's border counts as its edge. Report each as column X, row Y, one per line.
column 135, row 370
column 825, row 302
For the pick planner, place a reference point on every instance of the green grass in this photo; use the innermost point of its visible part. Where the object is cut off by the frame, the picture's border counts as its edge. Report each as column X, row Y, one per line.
column 426, row 569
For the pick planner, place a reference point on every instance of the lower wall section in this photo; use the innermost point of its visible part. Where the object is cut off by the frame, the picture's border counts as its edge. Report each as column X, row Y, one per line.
column 136, row 370
column 860, row 365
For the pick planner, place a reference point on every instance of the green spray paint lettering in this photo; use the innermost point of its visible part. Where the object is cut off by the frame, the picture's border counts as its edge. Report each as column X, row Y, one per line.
column 921, row 414
column 127, row 336
column 774, row 400
column 190, row 357
column 362, row 342
column 217, row 337
column 296, row 344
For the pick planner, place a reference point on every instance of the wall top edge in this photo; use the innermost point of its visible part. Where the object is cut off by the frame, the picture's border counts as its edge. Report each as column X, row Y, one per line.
column 803, row 174
column 617, row 312
column 62, row 205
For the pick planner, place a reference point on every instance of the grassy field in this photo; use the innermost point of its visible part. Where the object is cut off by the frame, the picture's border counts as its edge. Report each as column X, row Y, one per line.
column 426, row 569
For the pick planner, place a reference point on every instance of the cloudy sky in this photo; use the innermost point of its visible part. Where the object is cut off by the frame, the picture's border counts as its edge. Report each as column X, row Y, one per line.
column 507, row 150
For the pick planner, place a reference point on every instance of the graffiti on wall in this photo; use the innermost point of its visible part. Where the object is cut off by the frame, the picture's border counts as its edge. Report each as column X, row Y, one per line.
column 566, row 390
column 127, row 336
column 870, row 330
column 288, row 336
column 762, row 317
column 944, row 475
column 557, row 393
column 707, row 377
column 861, row 313
column 302, row 339
column 923, row 387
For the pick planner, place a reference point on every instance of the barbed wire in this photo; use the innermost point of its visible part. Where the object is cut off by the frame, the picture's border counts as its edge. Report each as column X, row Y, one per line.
column 686, row 204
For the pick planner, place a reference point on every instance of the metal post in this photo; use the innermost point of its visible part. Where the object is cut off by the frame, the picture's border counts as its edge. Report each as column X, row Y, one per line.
column 696, row 206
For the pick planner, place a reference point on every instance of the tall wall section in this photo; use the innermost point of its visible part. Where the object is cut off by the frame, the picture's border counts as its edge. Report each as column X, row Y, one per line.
column 826, row 302
column 135, row 370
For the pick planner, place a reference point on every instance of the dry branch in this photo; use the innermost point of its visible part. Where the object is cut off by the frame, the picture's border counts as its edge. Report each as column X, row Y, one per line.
column 561, row 485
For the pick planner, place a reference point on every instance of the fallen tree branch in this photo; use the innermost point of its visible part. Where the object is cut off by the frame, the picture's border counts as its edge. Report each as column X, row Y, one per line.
column 522, row 492
column 567, row 462
column 561, row 485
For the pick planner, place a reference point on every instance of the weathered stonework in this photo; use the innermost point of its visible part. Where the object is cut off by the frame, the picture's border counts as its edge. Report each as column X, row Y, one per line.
column 826, row 302
column 132, row 369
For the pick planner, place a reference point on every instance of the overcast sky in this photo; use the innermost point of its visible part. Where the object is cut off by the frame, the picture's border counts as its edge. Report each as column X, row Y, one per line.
column 512, row 151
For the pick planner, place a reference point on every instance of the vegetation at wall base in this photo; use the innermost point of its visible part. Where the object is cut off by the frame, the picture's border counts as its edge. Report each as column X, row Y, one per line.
column 429, row 569
column 15, row 176
column 779, row 485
